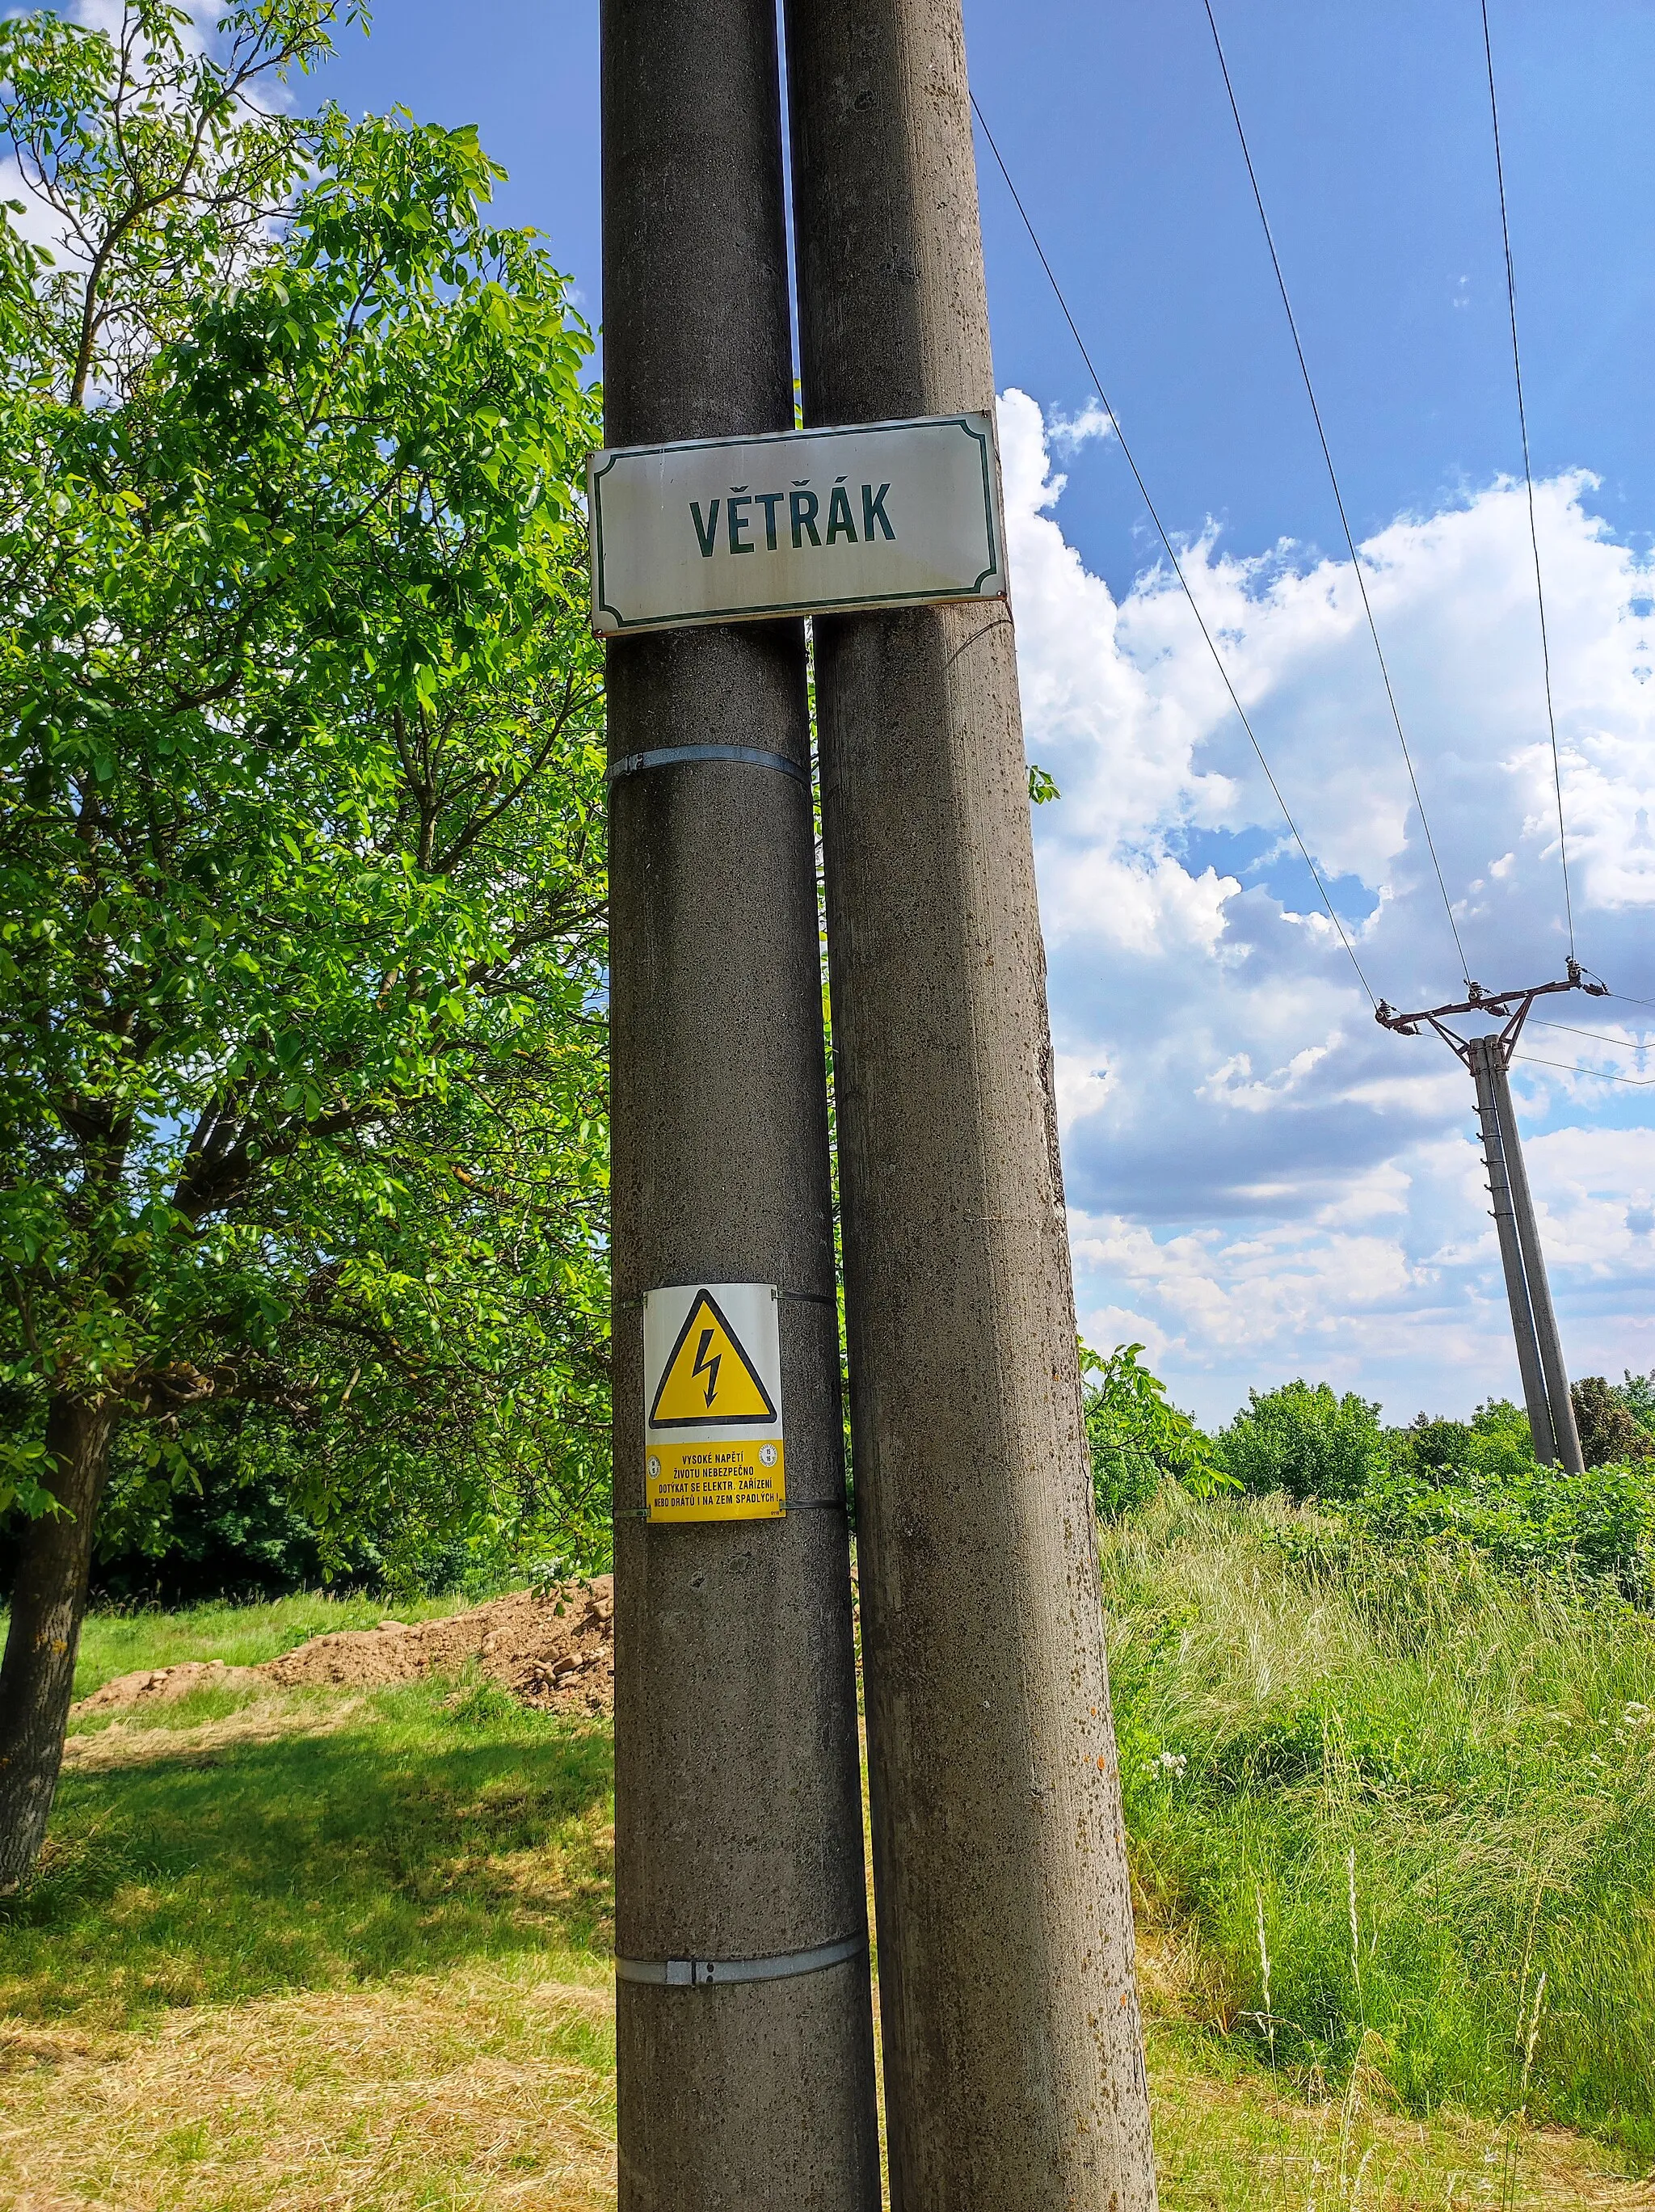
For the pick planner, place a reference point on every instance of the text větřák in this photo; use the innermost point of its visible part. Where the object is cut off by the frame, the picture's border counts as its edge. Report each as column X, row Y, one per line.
column 762, row 521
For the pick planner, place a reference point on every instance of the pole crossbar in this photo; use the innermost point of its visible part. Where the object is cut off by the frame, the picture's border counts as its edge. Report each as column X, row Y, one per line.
column 1498, row 1004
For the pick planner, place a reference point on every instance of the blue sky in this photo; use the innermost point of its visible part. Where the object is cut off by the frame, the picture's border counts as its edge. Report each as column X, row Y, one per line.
column 1262, row 1183
column 1370, row 128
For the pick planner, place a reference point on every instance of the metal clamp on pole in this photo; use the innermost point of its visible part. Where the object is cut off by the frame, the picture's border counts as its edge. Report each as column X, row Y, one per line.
column 804, row 1505
column 681, row 756
column 795, row 1298
column 701, row 1973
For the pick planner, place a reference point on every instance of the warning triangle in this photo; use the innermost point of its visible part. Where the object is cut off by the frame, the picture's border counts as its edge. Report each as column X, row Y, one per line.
column 709, row 1381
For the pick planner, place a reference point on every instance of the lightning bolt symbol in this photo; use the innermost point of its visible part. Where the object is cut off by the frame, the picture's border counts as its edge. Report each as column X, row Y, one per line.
column 711, row 1366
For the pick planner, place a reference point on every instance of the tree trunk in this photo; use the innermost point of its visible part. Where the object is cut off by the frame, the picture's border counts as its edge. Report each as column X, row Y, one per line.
column 47, row 1602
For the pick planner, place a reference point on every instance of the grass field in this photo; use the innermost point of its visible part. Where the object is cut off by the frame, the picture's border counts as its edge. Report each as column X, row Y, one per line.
column 1402, row 1806
column 350, row 1949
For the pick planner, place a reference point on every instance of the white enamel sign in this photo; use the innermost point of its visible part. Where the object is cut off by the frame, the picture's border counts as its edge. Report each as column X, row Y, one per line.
column 889, row 514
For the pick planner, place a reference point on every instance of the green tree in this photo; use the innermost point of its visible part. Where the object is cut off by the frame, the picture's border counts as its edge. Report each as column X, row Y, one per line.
column 1609, row 1431
column 1305, row 1440
column 1502, row 1443
column 1637, row 1395
column 1136, row 1436
column 1430, row 1446
column 301, row 900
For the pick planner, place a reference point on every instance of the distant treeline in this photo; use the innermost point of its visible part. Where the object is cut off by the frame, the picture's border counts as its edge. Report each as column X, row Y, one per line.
column 1451, row 1483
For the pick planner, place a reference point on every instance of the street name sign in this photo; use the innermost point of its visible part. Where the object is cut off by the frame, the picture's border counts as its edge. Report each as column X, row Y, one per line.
column 885, row 514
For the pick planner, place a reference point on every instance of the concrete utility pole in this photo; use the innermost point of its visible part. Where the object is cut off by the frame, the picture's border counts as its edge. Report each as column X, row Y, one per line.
column 1534, row 1322
column 1482, row 1057
column 1564, row 1430
column 1014, row 2065
column 744, row 2024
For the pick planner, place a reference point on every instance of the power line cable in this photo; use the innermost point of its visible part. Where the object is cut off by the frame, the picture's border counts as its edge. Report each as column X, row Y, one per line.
column 1528, row 472
column 1598, row 1036
column 1177, row 567
column 1338, row 497
column 1597, row 1074
column 1621, row 998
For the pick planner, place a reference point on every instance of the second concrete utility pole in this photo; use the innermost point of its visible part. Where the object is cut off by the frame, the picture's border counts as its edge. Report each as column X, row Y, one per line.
column 1528, row 1291
column 1012, row 2057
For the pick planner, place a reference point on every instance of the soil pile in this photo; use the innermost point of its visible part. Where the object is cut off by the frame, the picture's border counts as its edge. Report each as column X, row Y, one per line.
column 163, row 1685
column 555, row 1652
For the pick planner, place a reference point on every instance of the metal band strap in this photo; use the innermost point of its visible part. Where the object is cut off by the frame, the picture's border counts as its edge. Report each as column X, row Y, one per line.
column 677, row 755
column 798, row 1298
column 804, row 1505
column 700, row 1973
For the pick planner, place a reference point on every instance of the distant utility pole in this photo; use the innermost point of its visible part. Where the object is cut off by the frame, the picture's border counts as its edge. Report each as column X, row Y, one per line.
column 745, row 2025
column 1013, row 2064
column 1534, row 1322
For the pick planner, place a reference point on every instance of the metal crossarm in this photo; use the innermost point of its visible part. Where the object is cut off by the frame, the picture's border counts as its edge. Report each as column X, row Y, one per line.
column 1499, row 1005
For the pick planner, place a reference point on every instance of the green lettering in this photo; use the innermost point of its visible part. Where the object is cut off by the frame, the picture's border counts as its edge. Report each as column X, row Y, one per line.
column 839, row 524
column 739, row 522
column 801, row 507
column 873, row 510
column 769, row 500
column 708, row 531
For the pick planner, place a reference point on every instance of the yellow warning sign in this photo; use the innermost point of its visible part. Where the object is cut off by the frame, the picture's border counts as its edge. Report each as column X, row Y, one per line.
column 712, row 1411
column 716, row 1482
column 710, row 1382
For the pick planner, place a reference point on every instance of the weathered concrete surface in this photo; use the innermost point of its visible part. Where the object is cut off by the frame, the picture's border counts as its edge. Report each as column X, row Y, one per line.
column 738, row 1826
column 1013, row 2055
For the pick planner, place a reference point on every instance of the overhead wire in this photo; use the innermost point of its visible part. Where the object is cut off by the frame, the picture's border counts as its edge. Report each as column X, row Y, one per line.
column 1528, row 472
column 1620, row 997
column 1178, row 567
column 1599, row 1036
column 1597, row 1074
column 1338, row 497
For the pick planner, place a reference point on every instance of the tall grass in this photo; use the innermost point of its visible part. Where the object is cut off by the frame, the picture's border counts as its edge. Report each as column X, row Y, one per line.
column 1422, row 1787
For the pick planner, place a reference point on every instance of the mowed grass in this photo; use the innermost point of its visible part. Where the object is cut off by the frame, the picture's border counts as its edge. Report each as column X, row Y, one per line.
column 334, row 1845
column 492, row 2087
column 351, row 1950
column 488, row 2086
column 1227, row 2140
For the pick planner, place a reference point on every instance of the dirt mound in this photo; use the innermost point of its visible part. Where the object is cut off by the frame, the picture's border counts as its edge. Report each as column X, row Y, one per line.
column 555, row 1652
column 162, row 1686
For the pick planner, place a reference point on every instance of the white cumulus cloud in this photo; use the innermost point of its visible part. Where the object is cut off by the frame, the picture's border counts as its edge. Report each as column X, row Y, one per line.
column 1263, row 1183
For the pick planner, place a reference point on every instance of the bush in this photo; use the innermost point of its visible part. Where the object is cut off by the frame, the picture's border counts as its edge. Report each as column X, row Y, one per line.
column 1302, row 1440
column 1608, row 1429
column 1531, row 1520
column 1137, row 1438
column 228, row 1539
column 214, row 1514
column 1501, row 1441
column 1494, row 1444
column 1427, row 1447
column 1637, row 1395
